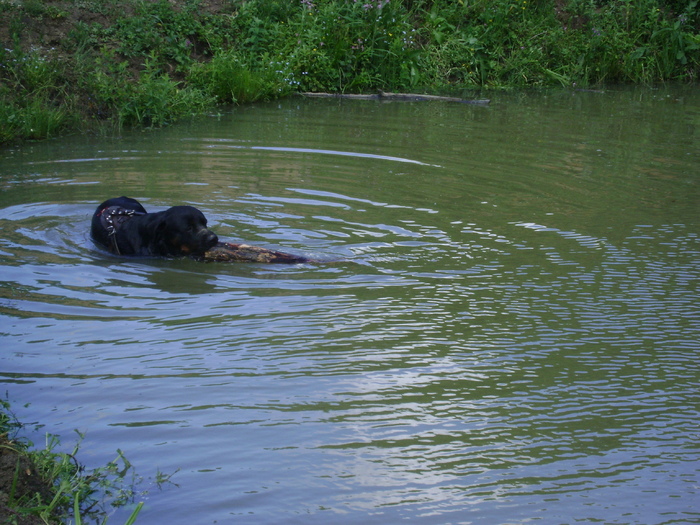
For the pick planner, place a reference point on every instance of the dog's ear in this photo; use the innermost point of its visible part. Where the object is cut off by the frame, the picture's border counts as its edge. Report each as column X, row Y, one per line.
column 162, row 225
column 158, row 237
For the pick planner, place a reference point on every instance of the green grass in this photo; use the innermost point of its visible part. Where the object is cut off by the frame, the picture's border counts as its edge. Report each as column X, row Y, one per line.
column 51, row 487
column 148, row 64
column 229, row 79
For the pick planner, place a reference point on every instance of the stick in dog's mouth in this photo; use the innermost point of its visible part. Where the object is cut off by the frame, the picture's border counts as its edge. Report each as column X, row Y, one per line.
column 230, row 252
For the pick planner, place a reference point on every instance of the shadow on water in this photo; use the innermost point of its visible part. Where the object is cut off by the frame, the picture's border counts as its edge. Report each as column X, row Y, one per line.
column 508, row 330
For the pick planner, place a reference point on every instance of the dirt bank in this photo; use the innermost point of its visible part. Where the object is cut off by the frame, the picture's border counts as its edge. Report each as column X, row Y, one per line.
column 20, row 483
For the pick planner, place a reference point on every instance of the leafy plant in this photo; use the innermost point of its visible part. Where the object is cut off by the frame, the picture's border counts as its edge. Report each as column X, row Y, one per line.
column 50, row 484
column 156, row 29
column 230, row 80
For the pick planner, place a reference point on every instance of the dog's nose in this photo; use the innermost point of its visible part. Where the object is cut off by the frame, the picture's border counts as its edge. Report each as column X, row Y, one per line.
column 207, row 237
column 212, row 238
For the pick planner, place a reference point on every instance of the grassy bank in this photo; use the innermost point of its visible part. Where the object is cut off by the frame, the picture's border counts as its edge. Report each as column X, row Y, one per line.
column 101, row 64
column 42, row 486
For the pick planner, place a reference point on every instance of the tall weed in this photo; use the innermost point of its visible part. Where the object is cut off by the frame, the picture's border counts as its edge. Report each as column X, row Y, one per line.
column 152, row 99
column 230, row 80
column 351, row 46
column 35, row 114
column 156, row 100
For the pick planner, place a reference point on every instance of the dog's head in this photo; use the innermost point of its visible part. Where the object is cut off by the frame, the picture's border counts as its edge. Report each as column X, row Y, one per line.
column 182, row 230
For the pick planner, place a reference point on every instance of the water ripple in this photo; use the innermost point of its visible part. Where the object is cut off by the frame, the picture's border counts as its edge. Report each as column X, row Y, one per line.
column 511, row 336
column 222, row 143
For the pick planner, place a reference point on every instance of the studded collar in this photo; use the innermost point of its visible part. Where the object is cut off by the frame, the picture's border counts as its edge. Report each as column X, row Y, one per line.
column 112, row 218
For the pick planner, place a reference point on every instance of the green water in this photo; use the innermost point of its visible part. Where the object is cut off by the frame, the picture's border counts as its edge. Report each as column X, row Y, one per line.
column 506, row 329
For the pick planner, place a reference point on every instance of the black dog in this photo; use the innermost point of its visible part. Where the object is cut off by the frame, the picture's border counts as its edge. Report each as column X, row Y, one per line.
column 123, row 227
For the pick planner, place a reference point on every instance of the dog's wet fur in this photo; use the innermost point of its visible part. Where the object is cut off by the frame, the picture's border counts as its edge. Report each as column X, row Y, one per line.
column 122, row 226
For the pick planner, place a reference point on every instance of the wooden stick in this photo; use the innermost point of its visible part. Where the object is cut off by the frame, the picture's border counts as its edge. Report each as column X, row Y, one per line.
column 229, row 252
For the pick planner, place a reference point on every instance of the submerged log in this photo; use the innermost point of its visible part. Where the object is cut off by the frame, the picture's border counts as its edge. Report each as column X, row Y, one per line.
column 409, row 97
column 230, row 252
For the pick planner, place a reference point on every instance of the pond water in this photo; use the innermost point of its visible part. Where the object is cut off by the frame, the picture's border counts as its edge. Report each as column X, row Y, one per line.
column 505, row 328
